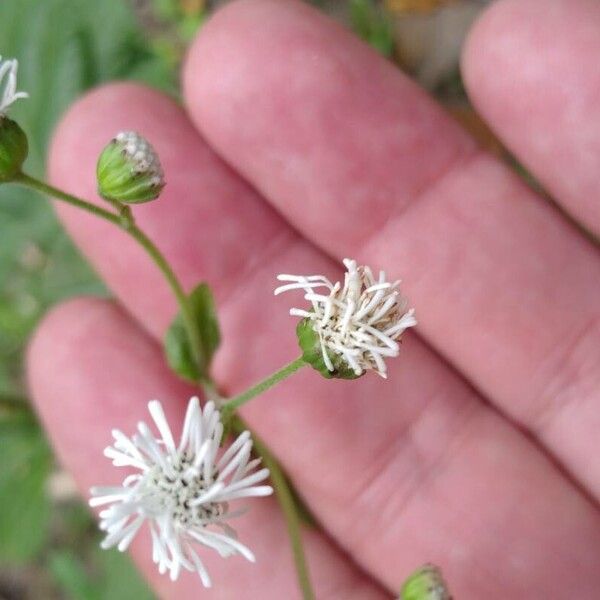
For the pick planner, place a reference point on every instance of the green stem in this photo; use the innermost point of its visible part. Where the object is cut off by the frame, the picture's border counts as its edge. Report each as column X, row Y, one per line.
column 44, row 188
column 288, row 507
column 126, row 222
column 176, row 287
column 234, row 403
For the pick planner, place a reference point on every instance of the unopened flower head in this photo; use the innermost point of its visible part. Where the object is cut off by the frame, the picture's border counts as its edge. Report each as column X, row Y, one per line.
column 349, row 328
column 13, row 141
column 8, row 85
column 181, row 491
column 426, row 583
column 129, row 169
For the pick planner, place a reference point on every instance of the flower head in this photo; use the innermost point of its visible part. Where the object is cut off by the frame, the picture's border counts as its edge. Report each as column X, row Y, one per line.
column 129, row 169
column 182, row 491
column 426, row 583
column 8, row 84
column 355, row 325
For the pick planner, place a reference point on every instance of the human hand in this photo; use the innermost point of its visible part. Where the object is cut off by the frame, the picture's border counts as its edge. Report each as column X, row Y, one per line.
column 478, row 453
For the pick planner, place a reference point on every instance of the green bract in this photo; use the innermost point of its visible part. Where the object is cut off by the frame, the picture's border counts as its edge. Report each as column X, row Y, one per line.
column 426, row 583
column 129, row 170
column 13, row 149
column 312, row 353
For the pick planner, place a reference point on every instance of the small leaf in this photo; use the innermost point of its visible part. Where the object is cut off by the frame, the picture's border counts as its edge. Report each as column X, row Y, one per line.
column 178, row 349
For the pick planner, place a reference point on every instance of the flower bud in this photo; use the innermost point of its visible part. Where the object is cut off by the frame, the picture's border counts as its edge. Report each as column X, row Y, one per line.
column 13, row 149
column 351, row 327
column 426, row 583
column 312, row 353
column 129, row 170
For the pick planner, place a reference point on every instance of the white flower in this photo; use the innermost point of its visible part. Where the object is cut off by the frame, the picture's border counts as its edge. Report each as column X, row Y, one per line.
column 182, row 492
column 8, row 81
column 359, row 322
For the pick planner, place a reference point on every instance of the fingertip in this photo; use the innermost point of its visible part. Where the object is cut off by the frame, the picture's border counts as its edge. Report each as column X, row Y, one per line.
column 514, row 41
column 66, row 326
column 303, row 109
column 223, row 36
column 252, row 55
column 90, row 367
column 531, row 70
column 61, row 360
column 491, row 26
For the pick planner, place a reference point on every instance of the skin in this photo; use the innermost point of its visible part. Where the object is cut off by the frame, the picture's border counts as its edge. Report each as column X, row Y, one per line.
column 296, row 146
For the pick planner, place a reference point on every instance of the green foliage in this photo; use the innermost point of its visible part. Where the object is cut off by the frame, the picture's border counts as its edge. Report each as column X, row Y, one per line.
column 24, row 506
column 185, row 18
column 70, row 575
column 64, row 47
column 104, row 576
column 178, row 349
column 372, row 25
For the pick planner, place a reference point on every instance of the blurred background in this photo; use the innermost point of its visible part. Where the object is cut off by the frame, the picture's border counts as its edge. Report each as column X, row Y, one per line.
column 48, row 540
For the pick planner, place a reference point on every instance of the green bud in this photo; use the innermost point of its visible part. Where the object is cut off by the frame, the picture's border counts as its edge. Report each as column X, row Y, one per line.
column 13, row 149
column 312, row 353
column 129, row 170
column 426, row 583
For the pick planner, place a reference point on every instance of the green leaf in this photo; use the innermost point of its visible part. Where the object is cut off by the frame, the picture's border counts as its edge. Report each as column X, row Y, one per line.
column 177, row 344
column 372, row 25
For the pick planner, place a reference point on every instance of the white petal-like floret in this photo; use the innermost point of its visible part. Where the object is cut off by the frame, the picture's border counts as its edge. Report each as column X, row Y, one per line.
column 182, row 491
column 361, row 321
column 8, row 84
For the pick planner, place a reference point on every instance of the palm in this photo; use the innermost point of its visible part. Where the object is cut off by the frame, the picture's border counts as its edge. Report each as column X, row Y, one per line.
column 479, row 452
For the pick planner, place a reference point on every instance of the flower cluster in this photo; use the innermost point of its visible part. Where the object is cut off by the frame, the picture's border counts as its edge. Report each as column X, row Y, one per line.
column 358, row 323
column 8, row 85
column 182, row 491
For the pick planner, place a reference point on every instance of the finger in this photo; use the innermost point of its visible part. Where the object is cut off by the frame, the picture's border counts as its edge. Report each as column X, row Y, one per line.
column 91, row 369
column 380, row 465
column 532, row 70
column 505, row 288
